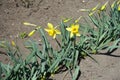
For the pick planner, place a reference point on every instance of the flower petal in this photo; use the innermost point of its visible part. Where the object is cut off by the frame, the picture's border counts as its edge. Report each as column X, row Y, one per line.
column 77, row 34
column 77, row 26
column 71, row 35
column 47, row 30
column 69, row 29
column 50, row 25
column 57, row 31
column 54, row 36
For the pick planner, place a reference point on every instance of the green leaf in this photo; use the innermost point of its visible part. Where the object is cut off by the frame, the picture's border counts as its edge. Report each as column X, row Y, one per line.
column 43, row 66
column 6, row 69
column 34, row 76
column 0, row 71
column 16, row 67
column 76, row 73
column 76, row 58
column 30, row 57
column 54, row 65
column 114, row 46
column 44, row 38
column 91, row 57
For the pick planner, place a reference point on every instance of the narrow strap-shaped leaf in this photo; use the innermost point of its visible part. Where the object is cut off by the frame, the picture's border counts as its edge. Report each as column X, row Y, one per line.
column 76, row 58
column 34, row 76
column 0, row 71
column 91, row 57
column 44, row 38
column 76, row 73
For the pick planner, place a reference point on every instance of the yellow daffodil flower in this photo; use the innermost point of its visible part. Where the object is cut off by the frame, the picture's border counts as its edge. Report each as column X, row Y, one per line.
column 104, row 6
column 74, row 29
column 52, row 31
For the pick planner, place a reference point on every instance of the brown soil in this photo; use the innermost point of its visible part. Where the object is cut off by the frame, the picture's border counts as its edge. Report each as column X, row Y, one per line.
column 14, row 12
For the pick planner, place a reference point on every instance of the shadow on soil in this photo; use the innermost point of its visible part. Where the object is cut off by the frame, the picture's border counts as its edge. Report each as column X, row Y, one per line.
column 109, row 53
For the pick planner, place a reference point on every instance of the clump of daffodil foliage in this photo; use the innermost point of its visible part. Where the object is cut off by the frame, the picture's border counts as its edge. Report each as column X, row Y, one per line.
column 106, row 20
column 76, row 41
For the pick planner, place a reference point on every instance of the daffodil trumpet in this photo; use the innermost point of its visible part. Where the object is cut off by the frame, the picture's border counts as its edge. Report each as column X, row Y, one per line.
column 74, row 30
column 52, row 31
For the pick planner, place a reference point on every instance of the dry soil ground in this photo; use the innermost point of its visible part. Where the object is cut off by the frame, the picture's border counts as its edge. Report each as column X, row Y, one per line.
column 14, row 12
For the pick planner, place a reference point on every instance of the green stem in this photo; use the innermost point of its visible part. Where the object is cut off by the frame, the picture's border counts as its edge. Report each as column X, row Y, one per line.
column 74, row 42
column 58, row 42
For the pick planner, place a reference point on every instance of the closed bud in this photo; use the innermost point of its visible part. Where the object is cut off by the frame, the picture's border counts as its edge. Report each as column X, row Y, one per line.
column 29, row 24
